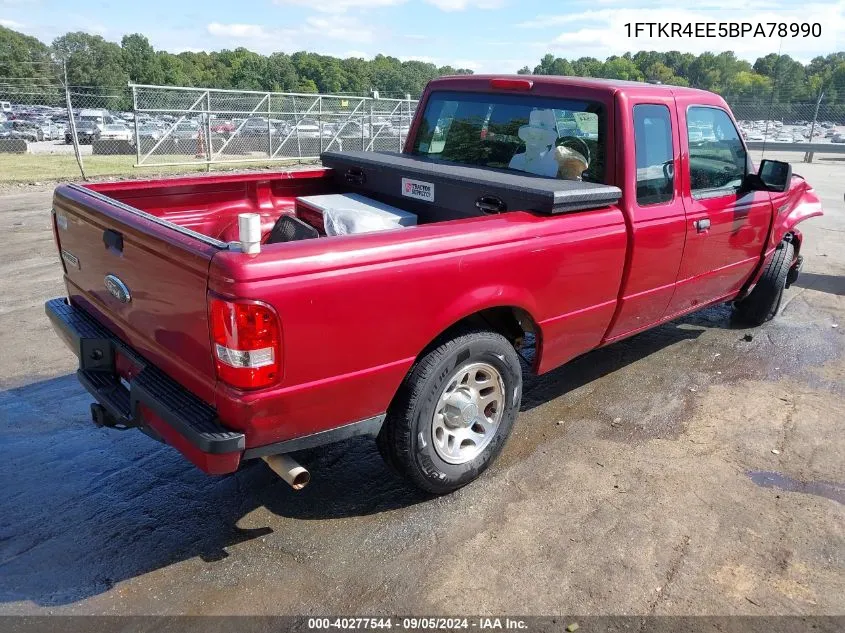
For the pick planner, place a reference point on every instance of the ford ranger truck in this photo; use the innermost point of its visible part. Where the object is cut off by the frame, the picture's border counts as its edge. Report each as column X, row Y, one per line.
column 569, row 212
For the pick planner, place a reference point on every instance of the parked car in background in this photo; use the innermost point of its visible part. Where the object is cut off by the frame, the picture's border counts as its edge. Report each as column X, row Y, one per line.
column 186, row 130
column 86, row 132
column 149, row 132
column 7, row 130
column 49, row 130
column 100, row 117
column 838, row 138
column 219, row 126
column 307, row 128
column 257, row 126
column 28, row 130
column 116, row 132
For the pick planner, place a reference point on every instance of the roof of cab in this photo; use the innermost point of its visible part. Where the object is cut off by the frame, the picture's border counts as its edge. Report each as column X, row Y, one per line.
column 609, row 85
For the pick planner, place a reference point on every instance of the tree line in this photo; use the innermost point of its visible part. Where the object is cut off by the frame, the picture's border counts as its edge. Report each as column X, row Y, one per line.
column 100, row 65
column 777, row 78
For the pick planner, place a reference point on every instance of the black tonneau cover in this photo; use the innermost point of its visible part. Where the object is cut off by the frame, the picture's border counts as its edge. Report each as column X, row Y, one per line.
column 444, row 191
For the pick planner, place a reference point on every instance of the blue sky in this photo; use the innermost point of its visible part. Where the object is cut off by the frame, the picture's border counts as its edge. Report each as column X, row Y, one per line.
column 484, row 35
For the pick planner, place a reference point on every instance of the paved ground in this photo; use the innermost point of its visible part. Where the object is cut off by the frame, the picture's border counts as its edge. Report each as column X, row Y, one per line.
column 638, row 480
column 57, row 147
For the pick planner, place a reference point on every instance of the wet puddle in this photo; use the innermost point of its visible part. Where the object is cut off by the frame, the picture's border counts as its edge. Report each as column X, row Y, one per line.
column 828, row 490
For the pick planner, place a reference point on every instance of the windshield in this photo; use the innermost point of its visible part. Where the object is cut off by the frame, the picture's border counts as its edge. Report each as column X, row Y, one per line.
column 556, row 138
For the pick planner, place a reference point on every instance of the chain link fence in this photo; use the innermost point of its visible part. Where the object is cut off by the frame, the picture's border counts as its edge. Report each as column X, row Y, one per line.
column 178, row 126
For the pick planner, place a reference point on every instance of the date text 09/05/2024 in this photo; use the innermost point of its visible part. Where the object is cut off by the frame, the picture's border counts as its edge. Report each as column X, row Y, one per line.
column 417, row 623
column 723, row 29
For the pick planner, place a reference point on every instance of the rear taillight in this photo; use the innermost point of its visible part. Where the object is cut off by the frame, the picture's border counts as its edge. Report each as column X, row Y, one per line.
column 246, row 341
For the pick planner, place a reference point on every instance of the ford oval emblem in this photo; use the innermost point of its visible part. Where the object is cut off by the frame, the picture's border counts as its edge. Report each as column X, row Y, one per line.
column 117, row 289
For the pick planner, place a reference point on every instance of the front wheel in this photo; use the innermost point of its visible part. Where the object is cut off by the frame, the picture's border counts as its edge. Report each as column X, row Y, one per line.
column 453, row 412
column 763, row 302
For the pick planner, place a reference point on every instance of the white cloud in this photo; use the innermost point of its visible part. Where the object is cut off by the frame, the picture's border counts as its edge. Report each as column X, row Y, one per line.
column 471, row 64
column 462, row 5
column 255, row 37
column 339, row 6
column 340, row 28
column 238, row 30
column 269, row 39
column 11, row 24
column 426, row 59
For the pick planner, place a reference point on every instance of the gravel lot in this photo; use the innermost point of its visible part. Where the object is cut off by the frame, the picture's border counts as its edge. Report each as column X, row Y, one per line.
column 639, row 480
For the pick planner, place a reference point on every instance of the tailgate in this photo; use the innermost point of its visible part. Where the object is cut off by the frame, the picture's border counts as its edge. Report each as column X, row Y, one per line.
column 145, row 279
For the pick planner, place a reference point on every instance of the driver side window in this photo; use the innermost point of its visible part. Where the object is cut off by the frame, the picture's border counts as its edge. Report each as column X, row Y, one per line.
column 717, row 157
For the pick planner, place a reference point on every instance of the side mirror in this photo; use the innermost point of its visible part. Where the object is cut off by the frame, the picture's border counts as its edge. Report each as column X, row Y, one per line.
column 775, row 175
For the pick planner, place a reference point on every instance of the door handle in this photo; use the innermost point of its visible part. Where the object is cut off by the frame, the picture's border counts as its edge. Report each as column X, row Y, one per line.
column 702, row 225
column 490, row 204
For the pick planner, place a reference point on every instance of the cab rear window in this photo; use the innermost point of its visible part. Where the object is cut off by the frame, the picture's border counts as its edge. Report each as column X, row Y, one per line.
column 551, row 137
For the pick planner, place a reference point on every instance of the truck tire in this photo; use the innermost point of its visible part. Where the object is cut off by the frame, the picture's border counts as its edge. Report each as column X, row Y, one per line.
column 763, row 302
column 453, row 412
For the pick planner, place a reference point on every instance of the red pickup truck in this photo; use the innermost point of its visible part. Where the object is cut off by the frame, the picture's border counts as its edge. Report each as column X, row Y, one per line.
column 229, row 353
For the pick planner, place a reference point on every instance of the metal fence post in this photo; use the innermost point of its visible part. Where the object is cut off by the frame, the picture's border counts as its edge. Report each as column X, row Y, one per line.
column 269, row 128
column 808, row 157
column 72, row 123
column 209, row 147
column 320, row 120
column 135, row 118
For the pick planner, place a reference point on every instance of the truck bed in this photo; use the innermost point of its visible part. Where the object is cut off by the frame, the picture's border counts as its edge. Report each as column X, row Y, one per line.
column 210, row 205
column 355, row 310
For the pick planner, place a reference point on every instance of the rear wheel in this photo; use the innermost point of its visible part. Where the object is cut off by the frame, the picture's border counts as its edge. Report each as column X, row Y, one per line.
column 763, row 302
column 453, row 412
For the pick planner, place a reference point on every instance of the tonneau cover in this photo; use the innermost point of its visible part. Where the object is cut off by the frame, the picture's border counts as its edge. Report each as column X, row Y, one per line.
column 448, row 188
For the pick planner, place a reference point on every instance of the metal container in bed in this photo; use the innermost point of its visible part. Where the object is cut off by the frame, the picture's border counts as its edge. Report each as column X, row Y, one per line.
column 439, row 191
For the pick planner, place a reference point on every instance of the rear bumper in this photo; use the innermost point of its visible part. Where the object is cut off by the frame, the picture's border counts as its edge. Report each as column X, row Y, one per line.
column 153, row 401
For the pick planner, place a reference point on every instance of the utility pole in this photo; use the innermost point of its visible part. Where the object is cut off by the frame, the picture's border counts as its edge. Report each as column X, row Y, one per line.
column 808, row 156
column 72, row 122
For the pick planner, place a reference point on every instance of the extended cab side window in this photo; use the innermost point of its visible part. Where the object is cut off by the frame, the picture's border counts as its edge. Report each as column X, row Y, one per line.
column 655, row 158
column 717, row 157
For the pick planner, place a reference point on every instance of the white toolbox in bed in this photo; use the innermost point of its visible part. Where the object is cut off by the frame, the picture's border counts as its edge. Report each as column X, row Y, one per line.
column 349, row 213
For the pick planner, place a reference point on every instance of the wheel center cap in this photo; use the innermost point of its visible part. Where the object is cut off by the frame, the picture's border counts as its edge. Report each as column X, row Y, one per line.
column 469, row 413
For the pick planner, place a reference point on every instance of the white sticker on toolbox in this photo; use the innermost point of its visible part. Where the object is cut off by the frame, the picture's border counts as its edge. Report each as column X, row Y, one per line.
column 418, row 189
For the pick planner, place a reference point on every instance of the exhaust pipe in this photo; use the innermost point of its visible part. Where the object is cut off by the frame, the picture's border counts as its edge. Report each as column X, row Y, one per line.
column 289, row 470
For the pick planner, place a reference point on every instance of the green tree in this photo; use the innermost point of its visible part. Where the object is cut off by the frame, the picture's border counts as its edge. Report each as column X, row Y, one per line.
column 26, row 68
column 788, row 77
column 587, row 67
column 140, row 60
column 91, row 60
column 551, row 65
column 279, row 73
column 621, row 68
